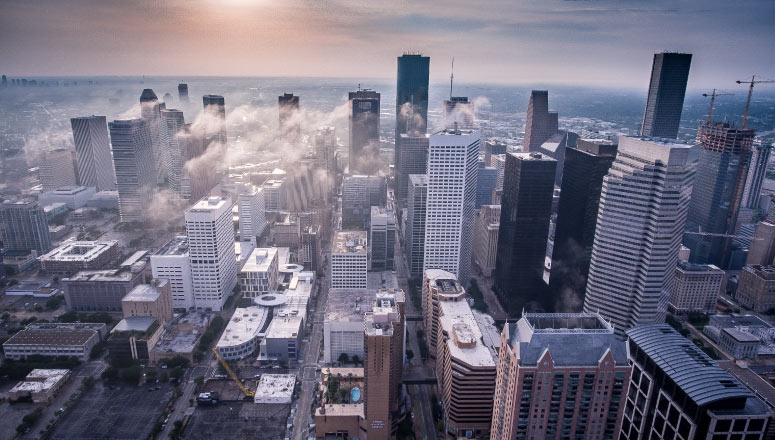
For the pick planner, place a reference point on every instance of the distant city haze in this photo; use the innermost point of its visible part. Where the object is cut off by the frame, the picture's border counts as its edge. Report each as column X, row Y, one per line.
column 602, row 43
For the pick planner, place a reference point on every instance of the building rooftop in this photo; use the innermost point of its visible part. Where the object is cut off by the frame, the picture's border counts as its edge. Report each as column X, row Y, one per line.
column 766, row 272
column 418, row 179
column 47, row 337
column 384, row 312
column 275, row 386
column 103, row 275
column 725, row 321
column 757, row 384
column 348, row 305
column 741, row 336
column 466, row 341
column 244, row 325
column 287, row 327
column 146, row 292
column 210, row 204
column 79, row 250
column 445, row 283
column 260, row 260
column 134, row 324
column 695, row 267
column 688, row 366
column 341, row 409
column 350, row 242
column 532, row 156
column 176, row 246
column 40, row 380
column 571, row 338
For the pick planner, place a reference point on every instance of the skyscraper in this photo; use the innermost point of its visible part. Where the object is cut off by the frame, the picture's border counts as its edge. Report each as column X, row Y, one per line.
column 560, row 375
column 528, row 186
column 452, row 170
column 183, row 93
column 359, row 194
column 57, row 169
column 486, row 179
column 669, row 74
column 92, row 152
column 382, row 239
column 133, row 163
column 458, row 112
column 757, row 170
column 215, row 109
column 411, row 103
column 486, row 238
column 640, row 222
column 414, row 237
column 211, row 250
column 718, row 191
column 175, row 124
column 252, row 217
column 383, row 355
column 24, row 227
column 150, row 109
column 288, row 106
column 585, row 167
column 540, row 123
column 364, row 132
column 414, row 160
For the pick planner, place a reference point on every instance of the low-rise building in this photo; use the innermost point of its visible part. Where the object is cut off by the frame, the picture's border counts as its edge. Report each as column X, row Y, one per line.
column 134, row 338
column 75, row 340
column 696, row 288
column 240, row 338
column 756, row 288
column 37, row 289
column 741, row 336
column 104, row 200
column 72, row 256
column 19, row 261
column 152, row 299
column 349, row 260
column 40, row 386
column 102, row 290
column 275, row 388
column 73, row 196
column 180, row 337
column 259, row 274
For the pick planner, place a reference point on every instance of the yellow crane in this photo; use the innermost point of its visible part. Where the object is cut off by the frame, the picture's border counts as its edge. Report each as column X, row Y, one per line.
column 247, row 392
column 712, row 100
column 750, row 92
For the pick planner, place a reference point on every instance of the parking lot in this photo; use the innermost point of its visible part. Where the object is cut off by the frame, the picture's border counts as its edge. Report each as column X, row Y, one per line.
column 237, row 421
column 125, row 412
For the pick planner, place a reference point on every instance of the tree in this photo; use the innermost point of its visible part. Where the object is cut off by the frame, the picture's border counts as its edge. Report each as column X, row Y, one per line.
column 356, row 360
column 164, row 377
column 131, row 374
column 110, row 373
column 97, row 350
column 177, row 373
column 343, row 358
column 151, row 374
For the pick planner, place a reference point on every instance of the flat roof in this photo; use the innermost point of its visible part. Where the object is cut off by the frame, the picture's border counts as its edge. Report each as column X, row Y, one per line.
column 466, row 340
column 134, row 324
column 40, row 380
column 209, row 204
column 176, row 246
column 79, row 250
column 341, row 410
column 533, row 156
column 688, row 366
column 244, row 325
column 348, row 305
column 287, row 327
column 725, row 321
column 741, row 336
column 350, row 242
column 146, row 292
column 123, row 274
column 68, row 190
column 260, row 260
column 275, row 385
column 58, row 337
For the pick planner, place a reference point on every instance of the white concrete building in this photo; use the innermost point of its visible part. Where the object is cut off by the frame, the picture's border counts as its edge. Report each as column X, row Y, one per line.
column 343, row 325
column 498, row 161
column 349, row 260
column 696, row 288
column 172, row 262
column 486, row 238
column 640, row 224
column 250, row 202
column 452, row 170
column 240, row 338
column 211, row 250
column 73, row 196
column 259, row 274
column 274, row 194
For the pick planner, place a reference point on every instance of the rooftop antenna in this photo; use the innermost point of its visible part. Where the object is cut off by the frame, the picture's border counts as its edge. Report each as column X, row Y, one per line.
column 451, row 77
column 712, row 100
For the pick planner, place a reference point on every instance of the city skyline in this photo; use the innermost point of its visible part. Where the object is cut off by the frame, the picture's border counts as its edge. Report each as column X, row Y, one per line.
column 505, row 42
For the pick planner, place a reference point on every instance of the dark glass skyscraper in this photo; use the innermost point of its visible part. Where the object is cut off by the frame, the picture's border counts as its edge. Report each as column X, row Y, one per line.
column 183, row 92
column 717, row 194
column 414, row 160
column 669, row 73
column 528, row 186
column 364, row 132
column 24, row 227
column 582, row 181
column 288, row 105
column 411, row 101
column 540, row 123
column 215, row 106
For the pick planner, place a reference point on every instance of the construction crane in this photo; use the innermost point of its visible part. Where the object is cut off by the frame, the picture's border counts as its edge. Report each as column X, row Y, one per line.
column 247, row 392
column 712, row 100
column 750, row 92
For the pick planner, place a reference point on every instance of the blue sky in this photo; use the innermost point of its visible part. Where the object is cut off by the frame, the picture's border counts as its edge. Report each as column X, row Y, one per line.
column 602, row 43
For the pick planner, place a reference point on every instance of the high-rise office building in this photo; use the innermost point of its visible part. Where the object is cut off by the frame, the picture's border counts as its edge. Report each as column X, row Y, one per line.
column 252, row 218
column 486, row 179
column 555, row 147
column 57, row 169
column 133, row 163
column 486, row 238
column 150, row 109
column 453, row 157
column 526, row 206
column 364, row 132
column 669, row 74
column 23, row 227
column 458, row 112
column 359, row 194
column 585, row 167
column 183, row 93
column 640, row 222
column 383, row 366
column 211, row 250
column 92, row 152
column 757, row 170
column 560, row 375
column 756, row 287
column 491, row 148
column 677, row 392
column 437, row 286
column 411, row 106
column 175, row 124
column 414, row 237
column 718, row 191
column 382, row 239
column 172, row 262
column 414, row 160
column 349, row 260
column 288, row 106
column 215, row 109
column 762, row 248
column 540, row 123
column 696, row 288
